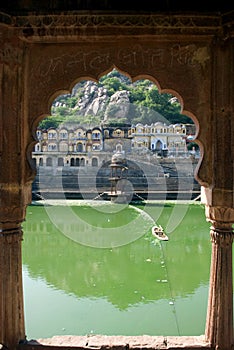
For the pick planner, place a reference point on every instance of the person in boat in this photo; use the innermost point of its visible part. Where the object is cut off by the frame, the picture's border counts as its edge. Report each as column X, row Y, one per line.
column 159, row 230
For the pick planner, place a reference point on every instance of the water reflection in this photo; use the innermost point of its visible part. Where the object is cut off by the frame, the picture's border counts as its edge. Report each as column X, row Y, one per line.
column 104, row 225
column 137, row 274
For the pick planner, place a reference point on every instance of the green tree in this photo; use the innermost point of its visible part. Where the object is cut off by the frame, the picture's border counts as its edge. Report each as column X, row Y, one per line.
column 51, row 122
column 112, row 85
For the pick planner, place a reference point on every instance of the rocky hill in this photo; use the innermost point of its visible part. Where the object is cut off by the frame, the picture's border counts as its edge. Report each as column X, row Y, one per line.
column 115, row 99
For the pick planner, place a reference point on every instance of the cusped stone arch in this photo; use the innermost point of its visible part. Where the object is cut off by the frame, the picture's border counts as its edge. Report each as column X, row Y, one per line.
column 54, row 68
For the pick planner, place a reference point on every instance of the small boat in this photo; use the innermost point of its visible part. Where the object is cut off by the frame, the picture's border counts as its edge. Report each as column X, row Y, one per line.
column 157, row 231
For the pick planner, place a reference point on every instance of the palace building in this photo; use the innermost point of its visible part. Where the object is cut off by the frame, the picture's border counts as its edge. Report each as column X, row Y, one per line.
column 80, row 146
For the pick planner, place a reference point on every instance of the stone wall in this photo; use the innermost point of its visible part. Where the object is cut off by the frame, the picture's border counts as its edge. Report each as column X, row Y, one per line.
column 167, row 178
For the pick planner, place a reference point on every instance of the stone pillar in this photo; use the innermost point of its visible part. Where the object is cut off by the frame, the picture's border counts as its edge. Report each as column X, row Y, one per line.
column 219, row 323
column 218, row 196
column 15, row 185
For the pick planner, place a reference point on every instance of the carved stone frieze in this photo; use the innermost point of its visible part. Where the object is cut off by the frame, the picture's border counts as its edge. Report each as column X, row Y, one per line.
column 69, row 25
column 44, row 27
column 106, row 20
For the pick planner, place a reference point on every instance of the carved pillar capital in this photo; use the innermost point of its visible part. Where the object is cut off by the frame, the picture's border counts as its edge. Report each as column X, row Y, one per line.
column 221, row 218
column 221, row 237
column 14, row 201
column 12, row 235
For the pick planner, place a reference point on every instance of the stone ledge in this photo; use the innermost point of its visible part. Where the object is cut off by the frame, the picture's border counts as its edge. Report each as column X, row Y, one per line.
column 101, row 342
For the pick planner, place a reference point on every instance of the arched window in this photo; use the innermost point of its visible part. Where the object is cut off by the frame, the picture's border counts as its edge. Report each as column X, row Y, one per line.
column 119, row 147
column 94, row 162
column 37, row 147
column 158, row 145
column 49, row 161
column 79, row 147
column 63, row 134
column 52, row 135
column 96, row 135
column 118, row 133
column 52, row 147
column 60, row 161
column 39, row 135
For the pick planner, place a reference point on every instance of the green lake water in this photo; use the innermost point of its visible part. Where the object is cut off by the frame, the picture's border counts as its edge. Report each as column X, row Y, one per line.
column 94, row 268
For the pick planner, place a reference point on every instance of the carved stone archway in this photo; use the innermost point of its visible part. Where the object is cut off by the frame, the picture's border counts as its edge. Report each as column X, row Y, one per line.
column 188, row 56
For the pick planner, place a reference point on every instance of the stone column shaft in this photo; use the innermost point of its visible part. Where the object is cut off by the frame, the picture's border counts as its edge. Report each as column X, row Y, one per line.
column 219, row 322
column 11, row 295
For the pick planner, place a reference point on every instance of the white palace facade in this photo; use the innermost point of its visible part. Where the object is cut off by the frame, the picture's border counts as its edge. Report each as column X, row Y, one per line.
column 79, row 146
